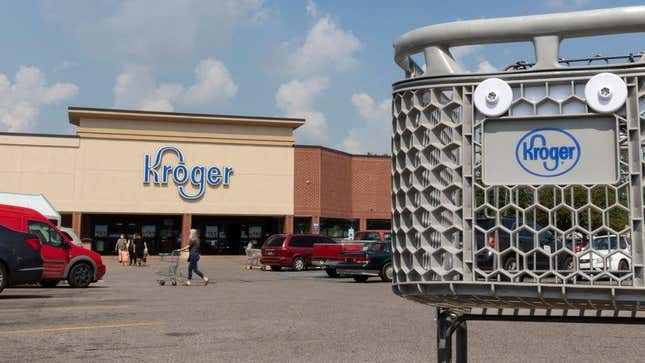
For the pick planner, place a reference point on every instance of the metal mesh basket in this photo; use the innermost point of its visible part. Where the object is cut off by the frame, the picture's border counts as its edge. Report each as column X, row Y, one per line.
column 464, row 242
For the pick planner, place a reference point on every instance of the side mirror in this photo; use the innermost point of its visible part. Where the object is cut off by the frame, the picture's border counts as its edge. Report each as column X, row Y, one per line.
column 67, row 246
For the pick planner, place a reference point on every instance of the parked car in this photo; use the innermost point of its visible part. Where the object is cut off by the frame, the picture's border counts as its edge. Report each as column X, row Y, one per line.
column 328, row 255
column 290, row 250
column 603, row 246
column 71, row 235
column 20, row 259
column 500, row 240
column 62, row 259
column 374, row 260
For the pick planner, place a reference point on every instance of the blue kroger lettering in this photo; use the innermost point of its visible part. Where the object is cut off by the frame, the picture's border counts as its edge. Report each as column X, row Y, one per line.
column 198, row 175
column 537, row 154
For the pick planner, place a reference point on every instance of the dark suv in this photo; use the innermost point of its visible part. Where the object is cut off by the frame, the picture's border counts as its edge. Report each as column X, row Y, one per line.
column 497, row 239
column 20, row 259
column 290, row 250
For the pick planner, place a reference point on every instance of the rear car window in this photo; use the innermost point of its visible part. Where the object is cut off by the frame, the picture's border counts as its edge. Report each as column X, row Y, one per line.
column 275, row 241
column 301, row 241
column 324, row 240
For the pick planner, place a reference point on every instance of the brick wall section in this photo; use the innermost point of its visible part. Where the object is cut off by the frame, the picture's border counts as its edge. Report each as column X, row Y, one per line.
column 307, row 181
column 336, row 186
column 371, row 187
column 333, row 184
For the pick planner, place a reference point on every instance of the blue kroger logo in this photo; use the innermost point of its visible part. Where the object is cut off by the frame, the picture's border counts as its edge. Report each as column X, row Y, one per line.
column 198, row 176
column 547, row 152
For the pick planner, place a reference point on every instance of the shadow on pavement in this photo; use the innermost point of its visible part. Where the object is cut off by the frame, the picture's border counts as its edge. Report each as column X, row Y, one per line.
column 17, row 297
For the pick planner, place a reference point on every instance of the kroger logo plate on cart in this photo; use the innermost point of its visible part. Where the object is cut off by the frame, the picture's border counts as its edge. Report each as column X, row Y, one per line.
column 550, row 151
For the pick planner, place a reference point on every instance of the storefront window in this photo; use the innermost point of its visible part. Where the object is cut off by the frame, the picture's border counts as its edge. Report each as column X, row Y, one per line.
column 223, row 235
column 337, row 228
column 161, row 233
column 379, row 224
column 302, row 225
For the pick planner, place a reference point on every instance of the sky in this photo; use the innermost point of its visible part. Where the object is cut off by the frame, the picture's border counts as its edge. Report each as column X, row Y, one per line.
column 330, row 62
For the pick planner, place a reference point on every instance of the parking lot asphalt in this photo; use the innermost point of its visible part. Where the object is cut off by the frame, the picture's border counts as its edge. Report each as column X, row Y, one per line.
column 266, row 316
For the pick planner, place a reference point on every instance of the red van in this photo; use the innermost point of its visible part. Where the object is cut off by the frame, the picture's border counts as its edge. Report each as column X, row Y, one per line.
column 62, row 259
column 290, row 250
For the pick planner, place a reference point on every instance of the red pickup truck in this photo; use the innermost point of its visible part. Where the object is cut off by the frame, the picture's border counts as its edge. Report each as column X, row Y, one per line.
column 328, row 256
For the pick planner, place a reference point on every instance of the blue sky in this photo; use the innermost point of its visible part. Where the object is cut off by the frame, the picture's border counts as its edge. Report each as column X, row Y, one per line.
column 327, row 61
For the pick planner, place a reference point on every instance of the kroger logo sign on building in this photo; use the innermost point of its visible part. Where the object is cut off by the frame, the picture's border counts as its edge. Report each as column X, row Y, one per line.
column 181, row 175
column 547, row 152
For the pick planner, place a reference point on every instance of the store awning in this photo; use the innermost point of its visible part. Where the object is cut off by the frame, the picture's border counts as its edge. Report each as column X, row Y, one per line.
column 36, row 202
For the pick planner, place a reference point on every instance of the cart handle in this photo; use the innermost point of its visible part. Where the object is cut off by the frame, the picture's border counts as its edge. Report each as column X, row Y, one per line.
column 545, row 31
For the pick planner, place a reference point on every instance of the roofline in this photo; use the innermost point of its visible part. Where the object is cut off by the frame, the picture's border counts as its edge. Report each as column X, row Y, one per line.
column 35, row 134
column 76, row 113
column 341, row 152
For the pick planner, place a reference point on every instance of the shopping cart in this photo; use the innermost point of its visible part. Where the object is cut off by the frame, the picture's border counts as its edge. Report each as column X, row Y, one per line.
column 169, row 270
column 253, row 258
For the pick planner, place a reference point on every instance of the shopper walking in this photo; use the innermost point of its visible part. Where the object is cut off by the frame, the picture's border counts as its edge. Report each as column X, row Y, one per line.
column 122, row 249
column 139, row 247
column 131, row 254
column 193, row 257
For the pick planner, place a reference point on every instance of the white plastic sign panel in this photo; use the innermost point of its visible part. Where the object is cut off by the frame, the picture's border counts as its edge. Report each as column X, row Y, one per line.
column 550, row 151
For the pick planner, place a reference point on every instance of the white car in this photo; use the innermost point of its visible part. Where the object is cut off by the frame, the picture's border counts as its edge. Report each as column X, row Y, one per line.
column 603, row 247
column 69, row 233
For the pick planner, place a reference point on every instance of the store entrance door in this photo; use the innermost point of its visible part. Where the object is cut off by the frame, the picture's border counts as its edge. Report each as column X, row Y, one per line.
column 234, row 232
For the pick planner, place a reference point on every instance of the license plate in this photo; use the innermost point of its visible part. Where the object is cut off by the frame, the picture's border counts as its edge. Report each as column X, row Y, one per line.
column 563, row 150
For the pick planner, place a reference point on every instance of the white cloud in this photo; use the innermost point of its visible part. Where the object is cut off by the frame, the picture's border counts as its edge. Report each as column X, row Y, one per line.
column 137, row 88
column 213, row 83
column 463, row 52
column 312, row 9
column 21, row 100
column 375, row 134
column 327, row 47
column 485, row 67
column 470, row 57
column 157, row 32
column 296, row 99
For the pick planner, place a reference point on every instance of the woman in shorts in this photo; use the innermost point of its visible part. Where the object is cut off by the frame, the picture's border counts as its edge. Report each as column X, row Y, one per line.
column 122, row 249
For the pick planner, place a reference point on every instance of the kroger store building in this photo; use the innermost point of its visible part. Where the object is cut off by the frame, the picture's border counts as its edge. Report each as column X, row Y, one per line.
column 235, row 179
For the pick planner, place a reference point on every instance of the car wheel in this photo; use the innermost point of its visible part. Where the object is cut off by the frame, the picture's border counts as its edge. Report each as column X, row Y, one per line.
column 299, row 264
column 510, row 264
column 331, row 272
column 81, row 275
column 3, row 277
column 387, row 272
column 276, row 268
column 360, row 278
column 49, row 283
column 623, row 265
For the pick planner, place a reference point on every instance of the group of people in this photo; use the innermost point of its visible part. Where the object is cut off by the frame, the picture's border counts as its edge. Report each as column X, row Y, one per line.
column 132, row 251
column 135, row 251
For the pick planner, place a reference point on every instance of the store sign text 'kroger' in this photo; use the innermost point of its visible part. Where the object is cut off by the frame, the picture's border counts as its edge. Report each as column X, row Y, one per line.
column 197, row 176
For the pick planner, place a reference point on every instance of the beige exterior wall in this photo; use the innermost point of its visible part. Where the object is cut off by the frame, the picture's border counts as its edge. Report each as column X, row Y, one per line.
column 102, row 170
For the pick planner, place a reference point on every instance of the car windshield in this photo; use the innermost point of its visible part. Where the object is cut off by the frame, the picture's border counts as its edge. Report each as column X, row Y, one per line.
column 608, row 243
column 374, row 247
column 367, row 236
column 274, row 241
